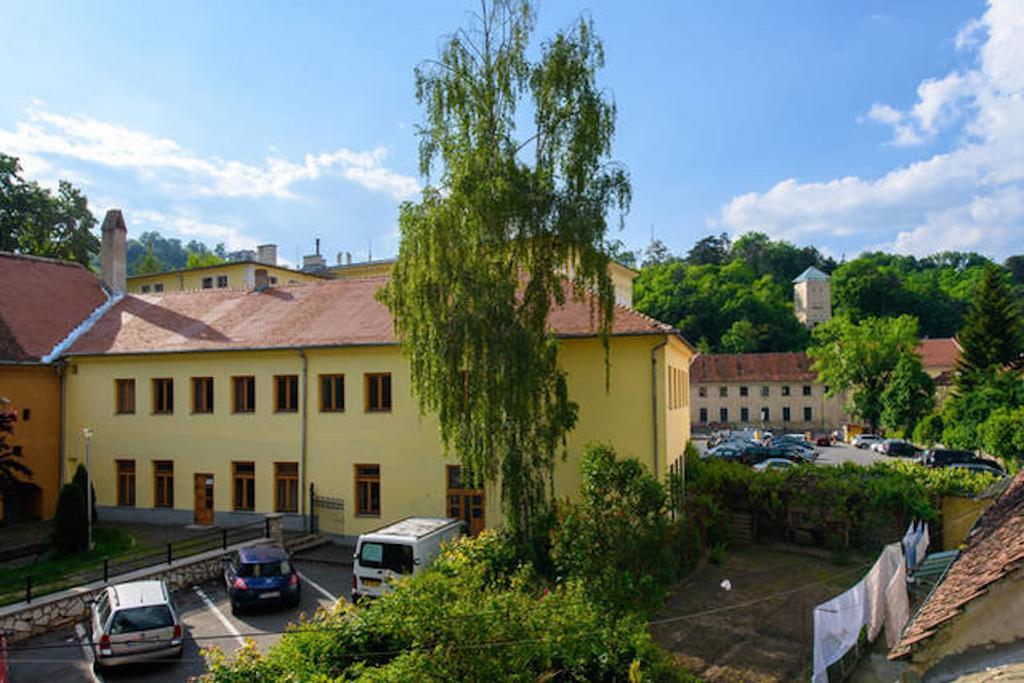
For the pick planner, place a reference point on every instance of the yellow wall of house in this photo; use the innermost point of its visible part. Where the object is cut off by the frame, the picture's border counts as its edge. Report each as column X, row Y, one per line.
column 404, row 443
column 36, row 388
column 240, row 276
column 365, row 269
column 622, row 281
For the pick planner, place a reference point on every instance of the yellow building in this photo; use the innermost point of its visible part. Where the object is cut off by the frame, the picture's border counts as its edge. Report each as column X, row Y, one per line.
column 42, row 303
column 228, row 275
column 215, row 406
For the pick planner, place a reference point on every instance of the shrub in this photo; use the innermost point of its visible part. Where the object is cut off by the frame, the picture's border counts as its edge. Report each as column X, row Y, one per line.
column 929, row 430
column 80, row 479
column 70, row 525
column 475, row 615
column 616, row 538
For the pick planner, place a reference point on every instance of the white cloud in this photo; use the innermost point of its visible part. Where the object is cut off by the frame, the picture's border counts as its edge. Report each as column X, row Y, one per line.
column 969, row 196
column 163, row 160
column 185, row 226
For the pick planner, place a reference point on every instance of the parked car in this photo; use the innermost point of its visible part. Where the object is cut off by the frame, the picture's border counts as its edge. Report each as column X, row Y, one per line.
column 898, row 448
column 405, row 547
column 134, row 622
column 979, row 465
column 939, row 457
column 866, row 440
column 774, row 464
column 757, row 454
column 260, row 575
column 823, row 440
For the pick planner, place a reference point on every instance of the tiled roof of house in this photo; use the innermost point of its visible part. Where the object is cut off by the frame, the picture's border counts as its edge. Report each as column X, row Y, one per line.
column 994, row 549
column 795, row 367
column 738, row 367
column 330, row 313
column 938, row 353
column 41, row 301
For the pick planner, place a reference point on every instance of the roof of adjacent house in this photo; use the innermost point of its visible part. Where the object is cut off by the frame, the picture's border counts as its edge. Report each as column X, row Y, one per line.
column 341, row 312
column 738, row 367
column 811, row 273
column 994, row 548
column 938, row 353
column 795, row 366
column 41, row 301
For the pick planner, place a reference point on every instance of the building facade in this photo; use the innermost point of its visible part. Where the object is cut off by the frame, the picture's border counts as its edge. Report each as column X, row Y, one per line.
column 227, row 275
column 42, row 302
column 216, row 406
column 777, row 391
column 812, row 297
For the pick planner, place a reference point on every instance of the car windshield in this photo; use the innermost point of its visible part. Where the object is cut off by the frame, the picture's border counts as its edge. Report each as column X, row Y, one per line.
column 393, row 556
column 258, row 569
column 141, row 619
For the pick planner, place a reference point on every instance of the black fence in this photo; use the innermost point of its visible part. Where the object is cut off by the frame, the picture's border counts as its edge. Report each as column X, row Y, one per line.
column 676, row 487
column 326, row 513
column 30, row 583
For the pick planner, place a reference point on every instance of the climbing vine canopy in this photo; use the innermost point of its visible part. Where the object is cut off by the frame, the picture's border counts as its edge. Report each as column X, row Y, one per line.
column 512, row 222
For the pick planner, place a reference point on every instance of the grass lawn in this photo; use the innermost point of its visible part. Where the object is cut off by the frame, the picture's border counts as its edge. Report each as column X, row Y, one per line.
column 55, row 572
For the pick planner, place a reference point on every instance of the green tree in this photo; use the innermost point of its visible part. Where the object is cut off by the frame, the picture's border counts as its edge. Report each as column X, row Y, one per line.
column 201, row 259
column 483, row 255
column 81, row 479
column 965, row 412
column 616, row 537
column 714, row 250
column 993, row 335
column 70, row 524
column 1002, row 433
column 928, row 430
column 656, row 254
column 909, row 396
column 741, row 338
column 861, row 358
column 149, row 263
column 34, row 220
column 12, row 470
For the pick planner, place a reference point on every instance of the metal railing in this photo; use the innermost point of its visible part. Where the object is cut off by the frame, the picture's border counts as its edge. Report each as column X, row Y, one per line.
column 35, row 584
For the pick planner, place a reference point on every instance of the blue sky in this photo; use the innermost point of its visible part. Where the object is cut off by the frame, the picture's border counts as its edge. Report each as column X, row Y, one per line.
column 845, row 125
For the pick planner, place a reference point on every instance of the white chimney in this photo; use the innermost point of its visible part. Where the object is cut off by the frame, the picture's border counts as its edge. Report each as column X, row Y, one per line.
column 113, row 262
column 267, row 254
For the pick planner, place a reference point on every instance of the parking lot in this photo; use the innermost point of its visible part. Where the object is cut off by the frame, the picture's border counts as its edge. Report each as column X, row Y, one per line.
column 833, row 455
column 206, row 611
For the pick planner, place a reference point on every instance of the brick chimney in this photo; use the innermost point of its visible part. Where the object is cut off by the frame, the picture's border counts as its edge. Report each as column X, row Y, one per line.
column 267, row 254
column 113, row 264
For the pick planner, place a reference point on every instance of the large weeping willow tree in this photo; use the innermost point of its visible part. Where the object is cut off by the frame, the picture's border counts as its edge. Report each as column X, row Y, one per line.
column 512, row 223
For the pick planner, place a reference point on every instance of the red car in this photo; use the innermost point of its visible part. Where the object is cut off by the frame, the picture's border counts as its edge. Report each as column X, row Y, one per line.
column 823, row 440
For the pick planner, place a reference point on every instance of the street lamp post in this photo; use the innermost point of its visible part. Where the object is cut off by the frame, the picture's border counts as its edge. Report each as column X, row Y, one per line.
column 88, row 481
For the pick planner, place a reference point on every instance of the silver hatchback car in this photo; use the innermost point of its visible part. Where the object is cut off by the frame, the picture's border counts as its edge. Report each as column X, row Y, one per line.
column 135, row 622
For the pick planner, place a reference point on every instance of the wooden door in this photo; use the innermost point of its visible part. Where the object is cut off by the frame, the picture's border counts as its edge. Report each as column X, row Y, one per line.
column 204, row 499
column 465, row 503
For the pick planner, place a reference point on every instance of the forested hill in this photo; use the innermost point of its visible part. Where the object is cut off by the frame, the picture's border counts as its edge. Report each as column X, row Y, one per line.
column 737, row 297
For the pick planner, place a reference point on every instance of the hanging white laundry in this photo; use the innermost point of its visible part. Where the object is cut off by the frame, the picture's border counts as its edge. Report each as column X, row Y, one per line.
column 910, row 545
column 897, row 606
column 837, row 625
column 875, row 583
column 921, row 546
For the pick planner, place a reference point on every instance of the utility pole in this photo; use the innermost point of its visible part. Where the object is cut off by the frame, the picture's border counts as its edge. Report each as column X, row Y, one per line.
column 88, row 480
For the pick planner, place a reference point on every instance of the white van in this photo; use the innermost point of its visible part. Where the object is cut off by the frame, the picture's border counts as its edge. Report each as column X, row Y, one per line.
column 399, row 549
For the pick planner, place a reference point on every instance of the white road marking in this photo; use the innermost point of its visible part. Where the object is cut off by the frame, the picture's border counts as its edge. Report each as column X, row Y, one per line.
column 83, row 640
column 223, row 619
column 323, row 591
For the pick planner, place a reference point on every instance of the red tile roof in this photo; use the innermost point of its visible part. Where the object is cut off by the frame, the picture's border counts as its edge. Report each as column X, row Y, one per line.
column 739, row 367
column 994, row 549
column 938, row 353
column 330, row 313
column 41, row 301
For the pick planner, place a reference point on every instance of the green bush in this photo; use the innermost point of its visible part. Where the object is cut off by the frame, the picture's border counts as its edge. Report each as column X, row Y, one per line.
column 70, row 525
column 929, row 430
column 80, row 480
column 616, row 538
column 476, row 615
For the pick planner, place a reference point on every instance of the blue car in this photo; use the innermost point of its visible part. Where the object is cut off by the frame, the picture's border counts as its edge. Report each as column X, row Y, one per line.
column 260, row 575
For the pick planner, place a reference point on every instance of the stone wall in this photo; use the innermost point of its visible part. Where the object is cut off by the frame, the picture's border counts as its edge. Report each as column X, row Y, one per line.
column 25, row 620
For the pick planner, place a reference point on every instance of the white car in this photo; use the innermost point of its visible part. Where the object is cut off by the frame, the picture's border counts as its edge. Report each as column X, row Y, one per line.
column 135, row 622
column 867, row 440
column 774, row 464
column 405, row 547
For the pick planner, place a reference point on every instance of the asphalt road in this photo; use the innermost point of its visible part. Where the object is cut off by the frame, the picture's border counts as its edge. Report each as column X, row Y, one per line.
column 206, row 612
